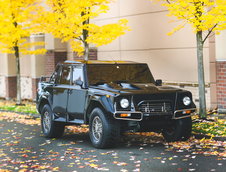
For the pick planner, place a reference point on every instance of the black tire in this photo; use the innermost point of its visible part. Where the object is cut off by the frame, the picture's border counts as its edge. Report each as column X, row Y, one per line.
column 188, row 129
column 103, row 131
column 180, row 130
column 50, row 128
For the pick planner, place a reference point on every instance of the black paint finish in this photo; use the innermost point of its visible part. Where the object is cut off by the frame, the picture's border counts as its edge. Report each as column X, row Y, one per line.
column 103, row 84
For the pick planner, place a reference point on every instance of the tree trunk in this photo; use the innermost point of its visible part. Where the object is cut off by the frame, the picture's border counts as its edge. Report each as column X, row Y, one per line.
column 201, row 78
column 86, row 53
column 85, row 34
column 86, row 45
column 18, row 97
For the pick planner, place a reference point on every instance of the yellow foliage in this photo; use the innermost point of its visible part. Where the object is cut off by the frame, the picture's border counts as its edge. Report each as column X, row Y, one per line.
column 203, row 15
column 70, row 19
column 17, row 23
column 100, row 35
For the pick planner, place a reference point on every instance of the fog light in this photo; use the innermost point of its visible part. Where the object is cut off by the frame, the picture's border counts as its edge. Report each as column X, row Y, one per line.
column 187, row 112
column 125, row 115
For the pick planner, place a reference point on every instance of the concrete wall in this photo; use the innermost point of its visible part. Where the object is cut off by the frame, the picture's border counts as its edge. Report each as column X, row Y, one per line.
column 171, row 58
column 2, row 86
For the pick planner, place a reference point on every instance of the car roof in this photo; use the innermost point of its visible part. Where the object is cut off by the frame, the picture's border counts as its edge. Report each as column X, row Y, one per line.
column 97, row 62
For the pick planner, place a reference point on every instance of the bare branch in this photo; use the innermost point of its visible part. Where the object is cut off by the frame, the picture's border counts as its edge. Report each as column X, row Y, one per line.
column 79, row 38
column 210, row 31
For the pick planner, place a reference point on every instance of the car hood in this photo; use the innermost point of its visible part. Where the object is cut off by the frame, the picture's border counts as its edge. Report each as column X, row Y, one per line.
column 135, row 88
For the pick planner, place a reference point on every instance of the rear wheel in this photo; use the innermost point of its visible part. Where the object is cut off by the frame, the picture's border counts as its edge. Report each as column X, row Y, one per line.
column 180, row 130
column 103, row 131
column 50, row 128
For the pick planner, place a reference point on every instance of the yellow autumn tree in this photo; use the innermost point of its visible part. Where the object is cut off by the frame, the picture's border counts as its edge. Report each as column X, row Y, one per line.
column 205, row 17
column 70, row 20
column 17, row 24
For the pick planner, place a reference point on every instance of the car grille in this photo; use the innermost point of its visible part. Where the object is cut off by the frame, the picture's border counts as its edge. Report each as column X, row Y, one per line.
column 155, row 107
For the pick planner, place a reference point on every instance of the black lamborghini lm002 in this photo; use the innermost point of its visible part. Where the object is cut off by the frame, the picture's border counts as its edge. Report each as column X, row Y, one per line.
column 112, row 98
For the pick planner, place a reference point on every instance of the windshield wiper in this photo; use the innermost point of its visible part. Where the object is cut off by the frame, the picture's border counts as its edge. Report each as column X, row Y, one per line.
column 120, row 81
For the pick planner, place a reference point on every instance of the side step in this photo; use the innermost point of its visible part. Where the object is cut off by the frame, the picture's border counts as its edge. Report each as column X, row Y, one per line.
column 77, row 121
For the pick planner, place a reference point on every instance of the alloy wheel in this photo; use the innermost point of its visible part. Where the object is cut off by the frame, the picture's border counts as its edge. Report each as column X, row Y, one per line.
column 97, row 128
column 46, row 122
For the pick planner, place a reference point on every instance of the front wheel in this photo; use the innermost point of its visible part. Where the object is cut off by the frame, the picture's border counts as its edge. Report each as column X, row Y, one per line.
column 104, row 132
column 180, row 130
column 50, row 128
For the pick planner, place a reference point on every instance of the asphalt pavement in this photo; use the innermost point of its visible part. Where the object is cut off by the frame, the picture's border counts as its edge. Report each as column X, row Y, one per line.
column 24, row 148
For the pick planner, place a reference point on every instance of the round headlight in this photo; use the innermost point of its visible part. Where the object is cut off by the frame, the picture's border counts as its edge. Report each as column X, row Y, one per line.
column 186, row 101
column 124, row 103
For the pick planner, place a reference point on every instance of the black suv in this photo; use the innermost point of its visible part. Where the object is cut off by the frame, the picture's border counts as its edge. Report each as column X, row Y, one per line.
column 112, row 97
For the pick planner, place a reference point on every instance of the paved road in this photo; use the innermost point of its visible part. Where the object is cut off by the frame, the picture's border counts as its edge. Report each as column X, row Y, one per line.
column 24, row 148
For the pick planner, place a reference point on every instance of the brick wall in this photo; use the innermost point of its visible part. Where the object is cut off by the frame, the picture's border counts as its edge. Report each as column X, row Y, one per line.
column 34, row 87
column 52, row 59
column 10, row 87
column 221, row 85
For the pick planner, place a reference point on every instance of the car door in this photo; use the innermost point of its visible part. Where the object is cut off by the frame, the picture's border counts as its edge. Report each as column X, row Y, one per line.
column 60, row 91
column 77, row 94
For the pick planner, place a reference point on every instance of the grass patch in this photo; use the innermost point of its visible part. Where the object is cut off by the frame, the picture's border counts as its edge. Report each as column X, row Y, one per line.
column 28, row 107
column 212, row 127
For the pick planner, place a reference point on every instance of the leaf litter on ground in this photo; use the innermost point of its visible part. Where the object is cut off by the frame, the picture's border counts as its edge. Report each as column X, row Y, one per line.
column 207, row 147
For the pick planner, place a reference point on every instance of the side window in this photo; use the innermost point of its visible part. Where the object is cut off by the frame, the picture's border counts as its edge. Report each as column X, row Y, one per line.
column 55, row 76
column 77, row 74
column 65, row 75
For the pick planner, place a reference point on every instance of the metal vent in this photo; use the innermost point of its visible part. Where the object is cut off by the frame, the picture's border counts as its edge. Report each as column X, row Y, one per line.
column 155, row 107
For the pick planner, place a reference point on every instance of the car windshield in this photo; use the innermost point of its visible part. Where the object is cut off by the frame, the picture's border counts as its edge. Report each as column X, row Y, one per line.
column 107, row 73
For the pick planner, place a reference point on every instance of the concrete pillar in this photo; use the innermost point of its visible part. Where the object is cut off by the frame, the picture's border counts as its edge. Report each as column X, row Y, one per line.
column 221, row 71
column 8, row 76
column 3, row 72
column 213, row 84
column 37, row 64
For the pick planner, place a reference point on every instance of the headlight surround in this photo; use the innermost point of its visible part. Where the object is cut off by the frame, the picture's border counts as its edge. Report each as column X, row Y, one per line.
column 124, row 103
column 187, row 101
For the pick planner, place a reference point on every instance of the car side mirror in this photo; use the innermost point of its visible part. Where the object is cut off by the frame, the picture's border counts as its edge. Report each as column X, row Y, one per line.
column 158, row 82
column 79, row 82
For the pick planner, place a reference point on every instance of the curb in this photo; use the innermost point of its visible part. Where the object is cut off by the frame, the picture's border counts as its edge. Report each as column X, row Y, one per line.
column 201, row 136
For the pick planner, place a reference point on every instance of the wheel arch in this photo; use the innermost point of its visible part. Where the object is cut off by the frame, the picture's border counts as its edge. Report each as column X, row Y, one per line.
column 93, row 104
column 42, row 103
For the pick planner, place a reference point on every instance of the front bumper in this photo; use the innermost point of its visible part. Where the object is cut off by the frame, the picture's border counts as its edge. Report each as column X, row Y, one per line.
column 139, row 116
column 183, row 113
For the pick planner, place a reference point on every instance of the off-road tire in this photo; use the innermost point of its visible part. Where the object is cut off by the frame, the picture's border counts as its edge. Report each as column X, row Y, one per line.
column 180, row 130
column 109, row 132
column 55, row 129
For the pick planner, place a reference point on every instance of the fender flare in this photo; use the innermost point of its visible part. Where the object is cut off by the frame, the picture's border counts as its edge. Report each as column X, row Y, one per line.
column 41, row 104
column 100, row 101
